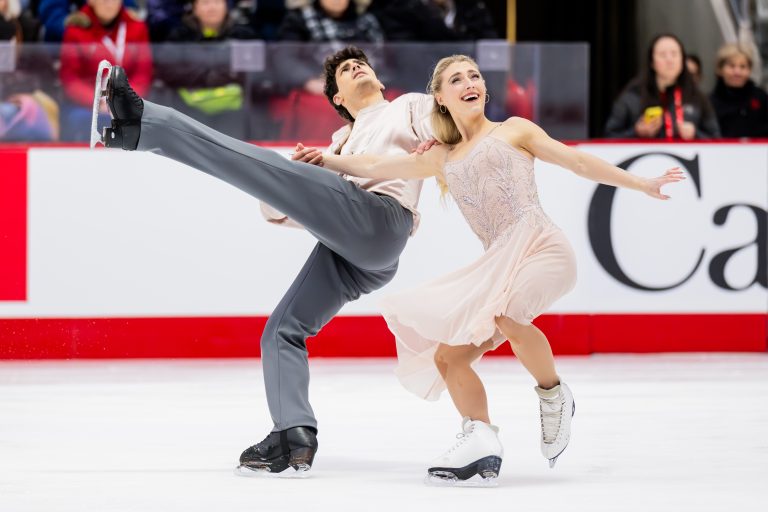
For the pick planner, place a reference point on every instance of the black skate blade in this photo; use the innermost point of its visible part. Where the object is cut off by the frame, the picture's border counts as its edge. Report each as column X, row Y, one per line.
column 434, row 480
column 481, row 473
column 301, row 471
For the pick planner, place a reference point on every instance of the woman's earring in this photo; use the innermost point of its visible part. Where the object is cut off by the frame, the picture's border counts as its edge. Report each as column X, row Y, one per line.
column 442, row 109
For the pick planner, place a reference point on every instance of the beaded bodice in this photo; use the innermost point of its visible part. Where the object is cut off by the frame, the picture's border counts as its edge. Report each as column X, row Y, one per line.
column 495, row 189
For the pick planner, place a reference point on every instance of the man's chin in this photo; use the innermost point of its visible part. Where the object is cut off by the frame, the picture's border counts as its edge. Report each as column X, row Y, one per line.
column 366, row 83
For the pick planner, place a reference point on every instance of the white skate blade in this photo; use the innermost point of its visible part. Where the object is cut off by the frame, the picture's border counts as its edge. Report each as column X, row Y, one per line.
column 245, row 471
column 98, row 94
column 552, row 462
column 447, row 481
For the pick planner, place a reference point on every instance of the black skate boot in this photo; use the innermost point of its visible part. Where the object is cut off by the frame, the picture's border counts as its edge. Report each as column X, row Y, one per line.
column 292, row 448
column 126, row 108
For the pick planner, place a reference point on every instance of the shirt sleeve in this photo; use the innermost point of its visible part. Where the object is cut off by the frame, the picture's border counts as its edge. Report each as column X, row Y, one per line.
column 421, row 106
column 275, row 216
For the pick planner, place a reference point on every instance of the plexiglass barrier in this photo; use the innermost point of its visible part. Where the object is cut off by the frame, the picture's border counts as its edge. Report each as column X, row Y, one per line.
column 273, row 91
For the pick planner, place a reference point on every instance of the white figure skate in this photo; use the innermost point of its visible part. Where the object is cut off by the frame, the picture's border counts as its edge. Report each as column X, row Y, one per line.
column 478, row 452
column 99, row 96
column 556, row 407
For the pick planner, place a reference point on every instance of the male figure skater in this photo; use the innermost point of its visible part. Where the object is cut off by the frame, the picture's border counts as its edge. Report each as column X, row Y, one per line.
column 361, row 225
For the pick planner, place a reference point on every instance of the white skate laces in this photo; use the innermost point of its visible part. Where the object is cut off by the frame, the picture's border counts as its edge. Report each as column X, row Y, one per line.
column 467, row 427
column 551, row 414
column 556, row 407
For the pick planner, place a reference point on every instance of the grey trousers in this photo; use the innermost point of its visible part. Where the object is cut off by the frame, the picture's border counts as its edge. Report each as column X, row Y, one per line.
column 360, row 237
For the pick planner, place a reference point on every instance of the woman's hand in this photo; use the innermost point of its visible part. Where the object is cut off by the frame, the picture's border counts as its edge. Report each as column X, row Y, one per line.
column 426, row 145
column 648, row 129
column 652, row 186
column 309, row 155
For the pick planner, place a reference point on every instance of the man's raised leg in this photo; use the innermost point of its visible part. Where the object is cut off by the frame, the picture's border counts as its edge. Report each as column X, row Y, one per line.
column 366, row 229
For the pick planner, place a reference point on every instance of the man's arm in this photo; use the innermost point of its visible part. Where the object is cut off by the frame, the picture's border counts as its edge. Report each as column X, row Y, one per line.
column 302, row 154
column 421, row 106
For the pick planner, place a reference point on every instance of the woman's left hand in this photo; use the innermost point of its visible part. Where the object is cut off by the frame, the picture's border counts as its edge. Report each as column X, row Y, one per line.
column 653, row 186
column 687, row 130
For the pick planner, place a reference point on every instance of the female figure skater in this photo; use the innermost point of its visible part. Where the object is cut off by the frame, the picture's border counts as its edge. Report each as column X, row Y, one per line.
column 444, row 326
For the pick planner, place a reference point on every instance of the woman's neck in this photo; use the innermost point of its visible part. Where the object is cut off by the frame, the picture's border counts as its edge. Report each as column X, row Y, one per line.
column 472, row 127
column 663, row 83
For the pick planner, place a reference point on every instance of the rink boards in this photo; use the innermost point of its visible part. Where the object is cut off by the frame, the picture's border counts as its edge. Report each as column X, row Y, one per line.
column 112, row 254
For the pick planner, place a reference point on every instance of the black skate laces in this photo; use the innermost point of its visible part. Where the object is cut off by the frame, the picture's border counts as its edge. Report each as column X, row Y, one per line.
column 135, row 98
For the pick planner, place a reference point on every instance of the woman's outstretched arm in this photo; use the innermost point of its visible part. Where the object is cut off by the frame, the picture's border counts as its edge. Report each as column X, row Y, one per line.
column 542, row 146
column 413, row 166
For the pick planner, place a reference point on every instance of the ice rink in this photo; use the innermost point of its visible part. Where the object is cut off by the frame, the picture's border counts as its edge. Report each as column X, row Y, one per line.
column 651, row 433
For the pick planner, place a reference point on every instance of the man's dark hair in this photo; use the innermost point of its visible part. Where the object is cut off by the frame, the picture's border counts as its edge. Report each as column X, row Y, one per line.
column 333, row 62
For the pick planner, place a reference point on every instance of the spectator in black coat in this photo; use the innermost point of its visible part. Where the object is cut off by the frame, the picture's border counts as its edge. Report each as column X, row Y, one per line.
column 9, row 23
column 434, row 20
column 664, row 101
column 319, row 21
column 330, row 20
column 200, row 72
column 741, row 106
column 209, row 21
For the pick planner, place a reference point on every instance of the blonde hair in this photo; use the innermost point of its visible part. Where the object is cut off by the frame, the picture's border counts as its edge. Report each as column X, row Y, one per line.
column 731, row 50
column 443, row 126
column 442, row 122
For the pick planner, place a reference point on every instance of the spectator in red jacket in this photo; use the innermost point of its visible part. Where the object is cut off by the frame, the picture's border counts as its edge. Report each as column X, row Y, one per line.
column 103, row 29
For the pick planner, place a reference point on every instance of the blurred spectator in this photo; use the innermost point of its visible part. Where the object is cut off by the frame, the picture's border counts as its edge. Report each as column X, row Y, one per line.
column 434, row 20
column 468, row 20
column 693, row 63
column 103, row 29
column 163, row 16
column 29, row 116
column 209, row 21
column 321, row 21
column 297, row 68
column 9, row 20
column 330, row 20
column 26, row 112
column 664, row 101
column 53, row 14
column 266, row 18
column 741, row 106
column 206, row 87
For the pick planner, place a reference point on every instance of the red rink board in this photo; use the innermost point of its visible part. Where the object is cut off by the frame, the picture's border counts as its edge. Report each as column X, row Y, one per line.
column 13, row 225
column 363, row 336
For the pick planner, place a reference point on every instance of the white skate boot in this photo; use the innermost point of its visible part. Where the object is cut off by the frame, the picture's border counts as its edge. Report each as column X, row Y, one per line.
column 556, row 407
column 478, row 452
column 99, row 97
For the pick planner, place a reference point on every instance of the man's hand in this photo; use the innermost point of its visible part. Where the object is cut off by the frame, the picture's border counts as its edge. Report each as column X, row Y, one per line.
column 424, row 146
column 309, row 155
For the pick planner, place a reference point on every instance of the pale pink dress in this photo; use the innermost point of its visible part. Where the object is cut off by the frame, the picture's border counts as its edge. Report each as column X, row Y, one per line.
column 527, row 265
